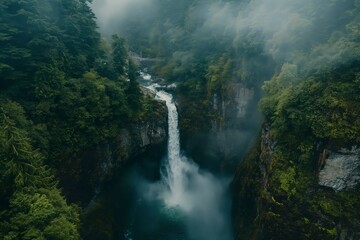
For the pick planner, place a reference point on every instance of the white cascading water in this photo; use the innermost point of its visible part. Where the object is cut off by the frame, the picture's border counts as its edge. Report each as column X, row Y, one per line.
column 198, row 194
column 175, row 165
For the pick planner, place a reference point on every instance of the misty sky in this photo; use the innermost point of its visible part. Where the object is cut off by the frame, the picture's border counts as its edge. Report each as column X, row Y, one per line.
column 286, row 26
column 110, row 12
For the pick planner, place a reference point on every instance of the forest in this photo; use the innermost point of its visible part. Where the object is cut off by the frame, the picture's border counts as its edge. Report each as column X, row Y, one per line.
column 68, row 84
column 63, row 89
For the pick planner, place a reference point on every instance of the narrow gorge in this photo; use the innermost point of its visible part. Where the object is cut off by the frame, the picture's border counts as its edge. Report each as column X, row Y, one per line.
column 180, row 120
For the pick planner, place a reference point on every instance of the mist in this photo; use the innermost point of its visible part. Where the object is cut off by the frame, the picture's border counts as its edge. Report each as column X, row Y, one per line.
column 112, row 15
column 305, row 33
column 187, row 202
column 289, row 30
column 285, row 28
column 202, row 204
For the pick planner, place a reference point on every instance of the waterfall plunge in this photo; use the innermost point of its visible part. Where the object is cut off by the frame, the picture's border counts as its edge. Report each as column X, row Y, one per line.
column 199, row 194
column 176, row 167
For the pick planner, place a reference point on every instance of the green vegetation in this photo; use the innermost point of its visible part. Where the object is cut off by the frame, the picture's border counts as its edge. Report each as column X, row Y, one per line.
column 32, row 205
column 306, row 57
column 63, row 91
column 205, row 52
column 308, row 107
column 202, row 61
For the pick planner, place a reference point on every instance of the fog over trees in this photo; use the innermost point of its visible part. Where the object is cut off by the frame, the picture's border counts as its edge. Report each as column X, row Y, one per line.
column 70, row 100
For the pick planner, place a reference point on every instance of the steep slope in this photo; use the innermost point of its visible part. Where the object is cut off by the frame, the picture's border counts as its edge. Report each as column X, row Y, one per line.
column 301, row 181
column 71, row 114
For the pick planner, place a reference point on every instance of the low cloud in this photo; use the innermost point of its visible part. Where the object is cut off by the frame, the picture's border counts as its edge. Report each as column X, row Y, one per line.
column 112, row 13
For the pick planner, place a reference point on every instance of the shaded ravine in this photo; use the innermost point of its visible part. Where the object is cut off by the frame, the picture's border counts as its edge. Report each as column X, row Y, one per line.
column 170, row 198
column 189, row 188
column 194, row 202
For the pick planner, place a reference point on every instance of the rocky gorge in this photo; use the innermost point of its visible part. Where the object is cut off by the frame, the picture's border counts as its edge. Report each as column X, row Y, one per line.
column 267, row 196
column 94, row 167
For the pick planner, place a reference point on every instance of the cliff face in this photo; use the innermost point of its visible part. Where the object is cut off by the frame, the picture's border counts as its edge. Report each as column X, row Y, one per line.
column 83, row 174
column 234, row 121
column 340, row 169
column 318, row 199
column 233, row 105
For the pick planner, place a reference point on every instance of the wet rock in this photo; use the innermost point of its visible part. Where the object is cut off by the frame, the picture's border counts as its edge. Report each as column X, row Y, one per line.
column 267, row 149
column 243, row 97
column 236, row 104
column 148, row 92
column 93, row 167
column 160, row 81
column 341, row 170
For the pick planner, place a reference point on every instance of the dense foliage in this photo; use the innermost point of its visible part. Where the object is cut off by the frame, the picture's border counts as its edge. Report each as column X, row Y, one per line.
column 309, row 54
column 63, row 90
column 310, row 105
column 201, row 56
column 32, row 205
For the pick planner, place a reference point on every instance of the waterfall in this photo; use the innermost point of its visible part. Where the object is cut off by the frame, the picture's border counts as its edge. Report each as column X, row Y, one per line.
column 174, row 142
column 200, row 196
column 175, row 166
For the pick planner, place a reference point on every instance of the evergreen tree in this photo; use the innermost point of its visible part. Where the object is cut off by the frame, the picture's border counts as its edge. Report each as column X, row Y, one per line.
column 120, row 55
column 133, row 91
column 32, row 206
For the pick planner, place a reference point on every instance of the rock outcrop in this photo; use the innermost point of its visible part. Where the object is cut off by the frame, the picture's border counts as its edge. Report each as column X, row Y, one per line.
column 130, row 143
column 83, row 174
column 279, row 193
column 341, row 170
column 234, row 123
column 235, row 106
column 242, row 99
